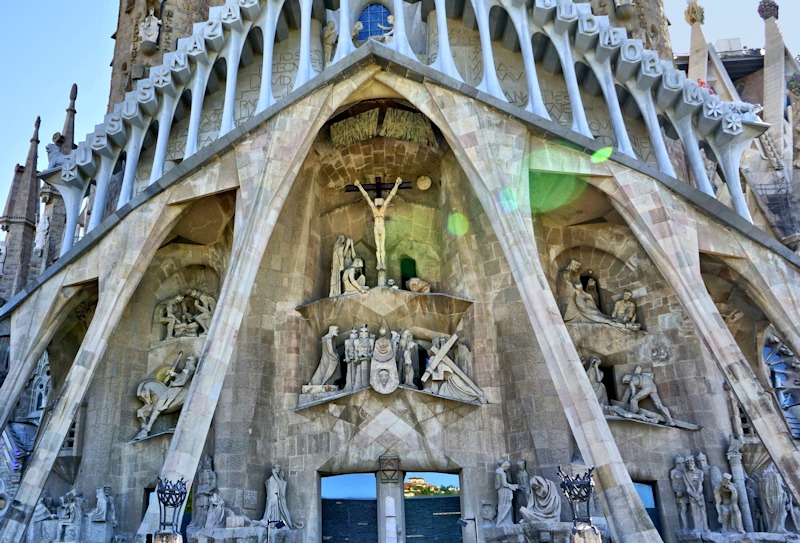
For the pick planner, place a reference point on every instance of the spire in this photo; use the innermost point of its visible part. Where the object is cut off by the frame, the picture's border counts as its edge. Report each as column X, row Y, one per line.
column 22, row 205
column 68, row 133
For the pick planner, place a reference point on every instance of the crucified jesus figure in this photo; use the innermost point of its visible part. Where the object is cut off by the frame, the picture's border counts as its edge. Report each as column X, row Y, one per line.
column 378, row 208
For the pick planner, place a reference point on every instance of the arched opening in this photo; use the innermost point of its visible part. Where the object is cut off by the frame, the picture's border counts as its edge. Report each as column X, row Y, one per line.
column 408, row 269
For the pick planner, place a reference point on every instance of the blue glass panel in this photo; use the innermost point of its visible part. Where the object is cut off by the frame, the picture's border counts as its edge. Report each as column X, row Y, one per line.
column 371, row 17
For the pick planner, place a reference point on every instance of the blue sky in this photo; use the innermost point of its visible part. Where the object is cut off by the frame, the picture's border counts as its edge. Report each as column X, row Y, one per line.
column 48, row 45
column 362, row 485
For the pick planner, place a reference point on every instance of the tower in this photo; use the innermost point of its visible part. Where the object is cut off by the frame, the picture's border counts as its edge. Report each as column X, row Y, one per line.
column 19, row 221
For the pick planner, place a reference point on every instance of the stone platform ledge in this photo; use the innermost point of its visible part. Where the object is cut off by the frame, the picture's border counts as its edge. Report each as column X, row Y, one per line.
column 424, row 314
column 550, row 532
column 604, row 339
column 679, row 424
column 715, row 537
column 312, row 400
column 246, row 534
column 152, row 436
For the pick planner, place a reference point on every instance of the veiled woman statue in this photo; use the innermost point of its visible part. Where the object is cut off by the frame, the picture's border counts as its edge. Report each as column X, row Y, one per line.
column 544, row 502
column 328, row 369
column 505, row 494
column 595, row 375
column 343, row 256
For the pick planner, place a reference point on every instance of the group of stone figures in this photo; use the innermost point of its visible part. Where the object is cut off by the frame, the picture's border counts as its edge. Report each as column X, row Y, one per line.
column 538, row 499
column 187, row 314
column 758, row 503
column 209, row 511
column 165, row 392
column 639, row 386
column 63, row 520
column 388, row 360
column 580, row 305
column 330, row 36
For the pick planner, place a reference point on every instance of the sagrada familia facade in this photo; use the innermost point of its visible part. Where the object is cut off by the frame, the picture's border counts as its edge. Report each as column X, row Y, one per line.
column 487, row 238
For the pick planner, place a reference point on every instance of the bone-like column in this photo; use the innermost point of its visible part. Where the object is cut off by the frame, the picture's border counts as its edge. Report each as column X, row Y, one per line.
column 232, row 20
column 399, row 37
column 72, row 187
column 444, row 57
column 269, row 27
column 304, row 70
column 168, row 105
column 535, row 101
column 101, row 194
column 489, row 83
column 599, row 61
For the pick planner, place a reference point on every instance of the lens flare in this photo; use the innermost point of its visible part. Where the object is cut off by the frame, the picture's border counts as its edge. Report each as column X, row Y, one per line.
column 550, row 191
column 601, row 155
column 507, row 200
column 457, row 224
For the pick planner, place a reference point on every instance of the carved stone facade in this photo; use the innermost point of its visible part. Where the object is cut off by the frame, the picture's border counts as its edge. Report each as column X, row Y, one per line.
column 313, row 257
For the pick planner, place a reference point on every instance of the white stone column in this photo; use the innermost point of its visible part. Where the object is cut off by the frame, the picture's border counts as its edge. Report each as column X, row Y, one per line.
column 72, row 187
column 168, row 104
column 599, row 61
column 519, row 16
column 737, row 470
column 304, row 70
column 489, row 83
column 399, row 37
column 444, row 57
column 345, row 45
column 232, row 21
column 101, row 194
column 269, row 27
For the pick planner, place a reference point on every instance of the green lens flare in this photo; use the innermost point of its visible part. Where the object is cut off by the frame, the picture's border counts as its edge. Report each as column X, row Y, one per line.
column 507, row 200
column 551, row 191
column 601, row 155
column 457, row 224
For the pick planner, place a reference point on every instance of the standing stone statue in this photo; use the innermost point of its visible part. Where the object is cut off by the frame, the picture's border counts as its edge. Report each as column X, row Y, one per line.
column 564, row 284
column 544, row 502
column 328, row 369
column 641, row 386
column 625, row 309
column 694, row 488
column 727, row 501
column 713, row 478
column 773, row 501
column 343, row 256
column 595, row 375
column 409, row 349
column 523, row 484
column 505, row 494
column 378, row 208
column 754, row 500
column 351, row 359
column 383, row 376
column 277, row 508
column 206, row 485
column 679, row 488
column 328, row 39
column 364, row 346
column 149, row 28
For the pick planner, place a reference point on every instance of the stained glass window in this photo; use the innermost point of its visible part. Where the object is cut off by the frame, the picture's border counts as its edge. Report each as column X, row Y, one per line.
column 372, row 16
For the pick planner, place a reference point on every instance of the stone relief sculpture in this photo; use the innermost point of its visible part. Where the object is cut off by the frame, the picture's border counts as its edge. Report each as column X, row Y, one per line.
column 387, row 36
column 676, row 478
column 328, row 370
column 105, row 510
column 365, row 343
column 505, row 494
column 488, row 514
column 544, row 502
column 773, row 501
column 754, row 500
column 216, row 513
column 187, row 314
column 165, row 396
column 63, row 520
column 354, row 279
column 727, row 497
column 416, row 284
column 625, row 309
column 408, row 349
column 640, row 386
column 564, row 284
column 713, row 478
column 523, row 483
column 276, row 508
column 149, row 28
column 378, row 208
column 328, row 40
column 383, row 366
column 206, row 485
column 358, row 27
column 581, row 308
column 40, row 514
column 343, row 256
column 55, row 158
column 443, row 377
column 693, row 478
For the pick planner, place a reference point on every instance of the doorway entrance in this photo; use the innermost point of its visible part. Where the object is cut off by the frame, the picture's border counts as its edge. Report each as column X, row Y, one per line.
column 432, row 507
column 349, row 508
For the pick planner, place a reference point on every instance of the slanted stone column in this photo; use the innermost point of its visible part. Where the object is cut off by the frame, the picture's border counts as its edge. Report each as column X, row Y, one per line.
column 280, row 153
column 669, row 234
column 134, row 249
column 774, row 82
column 495, row 160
